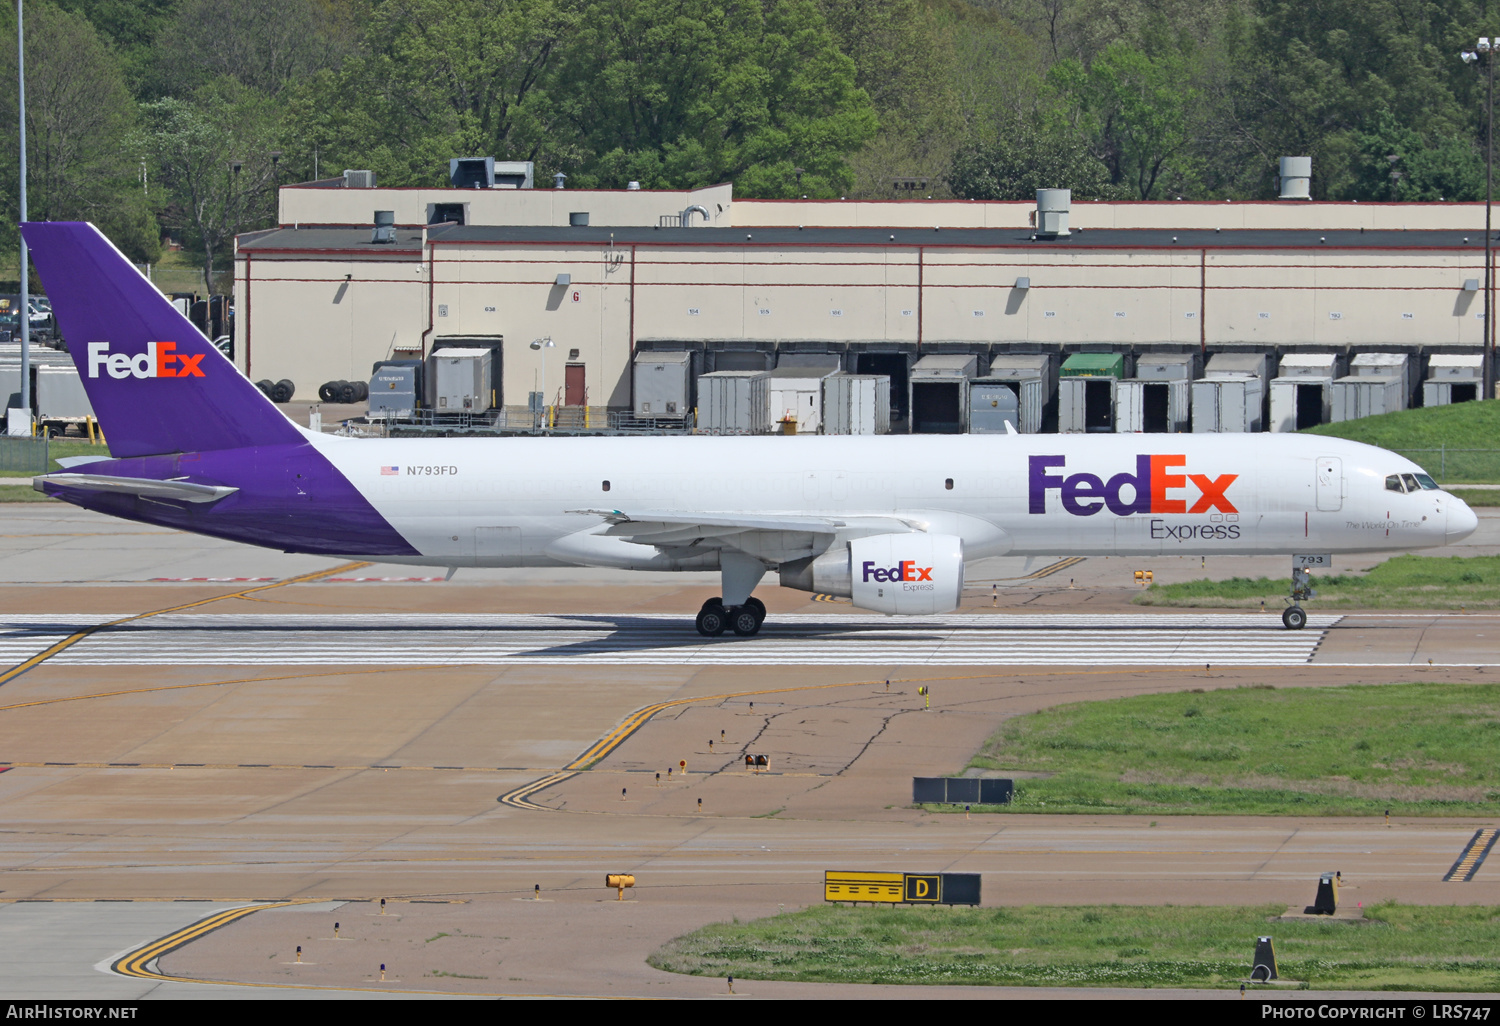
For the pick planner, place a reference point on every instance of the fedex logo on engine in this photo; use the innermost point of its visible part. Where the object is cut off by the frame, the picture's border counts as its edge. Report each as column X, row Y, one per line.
column 160, row 360
column 906, row 570
column 1157, row 486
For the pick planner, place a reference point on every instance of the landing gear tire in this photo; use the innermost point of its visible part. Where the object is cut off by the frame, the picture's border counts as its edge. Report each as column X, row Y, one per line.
column 715, row 601
column 759, row 607
column 713, row 620
column 745, row 620
column 1294, row 618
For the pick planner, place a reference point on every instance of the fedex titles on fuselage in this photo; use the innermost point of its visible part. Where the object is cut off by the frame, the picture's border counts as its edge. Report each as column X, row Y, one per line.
column 1160, row 484
column 160, row 360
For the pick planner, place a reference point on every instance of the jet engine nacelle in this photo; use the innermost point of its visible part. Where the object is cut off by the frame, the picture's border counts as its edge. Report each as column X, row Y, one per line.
column 888, row 573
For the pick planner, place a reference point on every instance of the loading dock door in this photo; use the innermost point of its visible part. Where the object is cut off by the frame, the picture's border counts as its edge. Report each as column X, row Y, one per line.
column 1154, row 418
column 1330, row 483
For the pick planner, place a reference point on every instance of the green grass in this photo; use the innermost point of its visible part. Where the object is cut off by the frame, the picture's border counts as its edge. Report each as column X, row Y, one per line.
column 1402, row 582
column 58, row 449
column 1478, row 496
column 1404, row 947
column 1461, row 426
column 1415, row 749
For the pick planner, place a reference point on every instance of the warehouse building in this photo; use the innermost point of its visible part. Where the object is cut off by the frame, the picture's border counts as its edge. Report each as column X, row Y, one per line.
column 873, row 288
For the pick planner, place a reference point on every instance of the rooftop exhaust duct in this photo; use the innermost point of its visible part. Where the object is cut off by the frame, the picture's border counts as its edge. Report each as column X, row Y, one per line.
column 385, row 226
column 1052, row 206
column 471, row 172
column 1296, row 176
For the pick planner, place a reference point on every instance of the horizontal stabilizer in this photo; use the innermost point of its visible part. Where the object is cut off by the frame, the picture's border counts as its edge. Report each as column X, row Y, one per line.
column 180, row 491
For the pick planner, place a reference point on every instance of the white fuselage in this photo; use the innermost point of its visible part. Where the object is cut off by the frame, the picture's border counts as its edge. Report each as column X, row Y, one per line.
column 507, row 501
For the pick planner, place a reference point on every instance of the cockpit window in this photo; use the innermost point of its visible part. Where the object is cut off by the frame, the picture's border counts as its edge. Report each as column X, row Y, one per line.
column 1393, row 483
column 1410, row 480
column 1427, row 482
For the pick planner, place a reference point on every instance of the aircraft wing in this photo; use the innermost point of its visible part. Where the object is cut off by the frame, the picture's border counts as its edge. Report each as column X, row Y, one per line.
column 181, row 491
column 771, row 537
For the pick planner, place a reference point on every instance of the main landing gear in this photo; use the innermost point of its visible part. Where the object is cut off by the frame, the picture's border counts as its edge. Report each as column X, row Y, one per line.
column 737, row 610
column 1294, row 617
column 745, row 620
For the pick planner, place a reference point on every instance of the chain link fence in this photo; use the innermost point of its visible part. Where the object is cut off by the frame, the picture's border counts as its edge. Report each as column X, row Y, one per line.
column 24, row 455
column 1457, row 466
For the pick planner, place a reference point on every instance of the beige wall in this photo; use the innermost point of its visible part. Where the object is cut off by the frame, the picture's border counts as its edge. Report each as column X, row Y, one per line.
column 1269, row 214
column 306, row 323
column 303, row 205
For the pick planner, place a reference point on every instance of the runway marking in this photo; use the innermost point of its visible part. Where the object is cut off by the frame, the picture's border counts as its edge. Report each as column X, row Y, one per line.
column 1473, row 855
column 174, row 637
column 73, row 639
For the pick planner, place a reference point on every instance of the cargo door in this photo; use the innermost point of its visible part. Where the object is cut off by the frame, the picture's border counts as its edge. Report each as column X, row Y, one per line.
column 497, row 546
column 1330, row 483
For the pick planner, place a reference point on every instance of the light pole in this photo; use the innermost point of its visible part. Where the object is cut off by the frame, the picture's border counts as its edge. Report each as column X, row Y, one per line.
column 542, row 345
column 25, row 311
column 1469, row 57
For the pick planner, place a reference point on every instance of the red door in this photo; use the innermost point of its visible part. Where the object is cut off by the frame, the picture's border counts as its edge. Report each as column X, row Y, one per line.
column 574, row 393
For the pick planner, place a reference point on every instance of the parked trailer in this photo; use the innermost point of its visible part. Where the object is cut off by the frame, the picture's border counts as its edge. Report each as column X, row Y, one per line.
column 458, row 380
column 940, row 393
column 1086, row 392
column 1359, row 396
column 857, row 404
column 1452, row 378
column 1153, row 407
column 1228, row 404
column 1301, row 402
column 734, row 403
column 995, row 401
column 396, row 389
column 61, row 400
column 663, row 389
column 1018, row 366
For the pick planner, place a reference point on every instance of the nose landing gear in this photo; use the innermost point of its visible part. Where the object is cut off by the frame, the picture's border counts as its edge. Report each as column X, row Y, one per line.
column 1294, row 617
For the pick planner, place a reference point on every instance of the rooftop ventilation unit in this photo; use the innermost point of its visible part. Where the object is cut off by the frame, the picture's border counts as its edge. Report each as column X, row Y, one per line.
column 1296, row 175
column 359, row 179
column 385, row 226
column 1052, row 207
column 472, row 172
column 514, row 174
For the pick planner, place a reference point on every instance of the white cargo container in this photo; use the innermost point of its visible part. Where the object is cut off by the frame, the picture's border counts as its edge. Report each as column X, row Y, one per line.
column 1166, row 366
column 857, row 404
column 1358, row 396
column 797, row 399
column 1448, row 391
column 734, row 403
column 994, row 401
column 1019, row 366
column 1154, row 407
column 939, row 386
column 1232, row 403
column 1385, row 365
column 1311, row 365
column 663, row 389
column 1301, row 402
column 1239, row 365
column 60, row 398
column 458, row 380
column 1455, row 366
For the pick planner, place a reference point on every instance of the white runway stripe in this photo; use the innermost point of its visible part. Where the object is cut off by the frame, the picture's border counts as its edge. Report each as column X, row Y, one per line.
column 401, row 639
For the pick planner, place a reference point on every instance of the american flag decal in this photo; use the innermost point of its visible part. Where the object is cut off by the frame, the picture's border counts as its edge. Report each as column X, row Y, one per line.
column 390, row 471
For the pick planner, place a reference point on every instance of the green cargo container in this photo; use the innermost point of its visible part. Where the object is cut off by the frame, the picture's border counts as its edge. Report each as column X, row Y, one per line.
column 1094, row 365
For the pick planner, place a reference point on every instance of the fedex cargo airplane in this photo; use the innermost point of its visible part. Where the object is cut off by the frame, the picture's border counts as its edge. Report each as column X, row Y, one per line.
column 887, row 522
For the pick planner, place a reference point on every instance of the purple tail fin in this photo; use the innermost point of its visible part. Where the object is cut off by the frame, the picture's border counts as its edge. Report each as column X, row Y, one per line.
column 157, row 385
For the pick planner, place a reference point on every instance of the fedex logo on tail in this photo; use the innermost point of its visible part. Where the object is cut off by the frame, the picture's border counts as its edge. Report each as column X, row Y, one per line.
column 160, row 360
column 1159, row 485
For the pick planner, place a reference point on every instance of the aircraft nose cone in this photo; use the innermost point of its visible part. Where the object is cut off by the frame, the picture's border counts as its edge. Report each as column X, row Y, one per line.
column 1461, row 521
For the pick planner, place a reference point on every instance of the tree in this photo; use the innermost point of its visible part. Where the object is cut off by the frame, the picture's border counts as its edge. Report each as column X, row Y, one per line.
column 1024, row 159
column 682, row 93
column 212, row 156
column 264, row 45
column 1396, row 163
column 79, row 115
column 1137, row 106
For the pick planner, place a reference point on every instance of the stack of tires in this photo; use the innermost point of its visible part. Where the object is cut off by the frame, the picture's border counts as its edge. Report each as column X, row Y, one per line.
column 279, row 391
column 344, row 391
